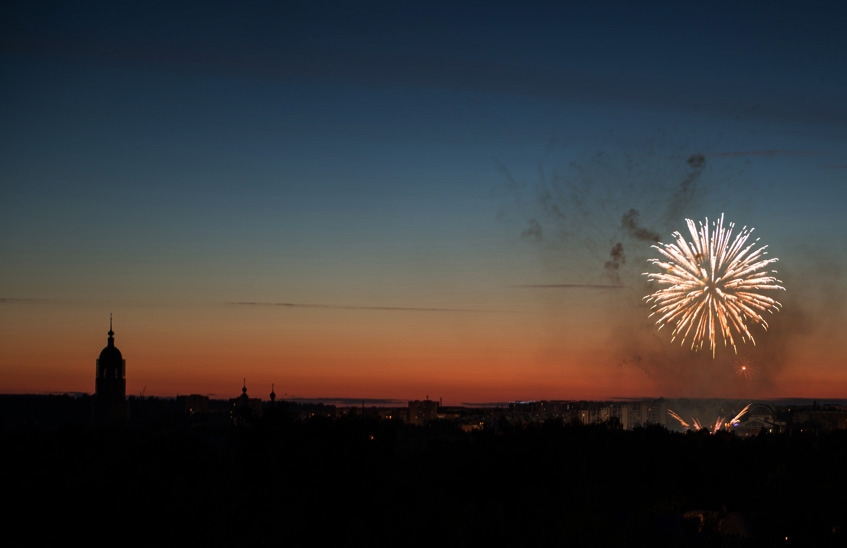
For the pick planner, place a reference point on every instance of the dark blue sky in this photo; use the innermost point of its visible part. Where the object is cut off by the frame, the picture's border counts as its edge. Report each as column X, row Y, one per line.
column 417, row 155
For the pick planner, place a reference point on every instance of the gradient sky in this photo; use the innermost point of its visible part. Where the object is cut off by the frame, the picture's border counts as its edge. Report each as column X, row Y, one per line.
column 401, row 200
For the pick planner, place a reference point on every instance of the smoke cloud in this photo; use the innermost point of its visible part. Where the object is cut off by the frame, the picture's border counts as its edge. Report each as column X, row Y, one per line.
column 600, row 208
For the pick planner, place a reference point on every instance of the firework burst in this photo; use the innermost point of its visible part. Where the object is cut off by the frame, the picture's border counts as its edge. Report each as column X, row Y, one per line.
column 712, row 286
column 743, row 368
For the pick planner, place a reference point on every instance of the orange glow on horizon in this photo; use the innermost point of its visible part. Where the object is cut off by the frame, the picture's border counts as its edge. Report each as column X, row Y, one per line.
column 462, row 358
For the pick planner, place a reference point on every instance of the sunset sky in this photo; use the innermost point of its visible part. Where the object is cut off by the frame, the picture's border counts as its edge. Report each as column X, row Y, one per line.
column 411, row 199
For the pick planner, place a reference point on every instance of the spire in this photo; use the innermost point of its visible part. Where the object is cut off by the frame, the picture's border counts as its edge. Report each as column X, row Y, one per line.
column 111, row 333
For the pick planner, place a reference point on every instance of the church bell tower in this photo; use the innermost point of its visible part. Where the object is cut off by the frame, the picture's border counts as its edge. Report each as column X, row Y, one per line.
column 110, row 384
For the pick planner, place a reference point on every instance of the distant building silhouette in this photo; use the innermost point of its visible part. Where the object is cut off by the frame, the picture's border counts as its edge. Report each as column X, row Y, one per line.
column 110, row 384
column 422, row 411
column 244, row 408
column 641, row 413
column 195, row 404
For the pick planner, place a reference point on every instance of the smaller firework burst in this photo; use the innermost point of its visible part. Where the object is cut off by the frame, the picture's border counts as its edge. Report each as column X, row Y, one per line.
column 744, row 368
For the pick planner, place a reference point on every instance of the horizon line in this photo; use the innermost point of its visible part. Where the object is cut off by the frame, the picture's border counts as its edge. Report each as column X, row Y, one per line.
column 355, row 402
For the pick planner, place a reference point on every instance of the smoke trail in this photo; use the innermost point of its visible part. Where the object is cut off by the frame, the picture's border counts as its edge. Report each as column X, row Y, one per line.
column 687, row 191
column 629, row 222
column 533, row 231
column 616, row 260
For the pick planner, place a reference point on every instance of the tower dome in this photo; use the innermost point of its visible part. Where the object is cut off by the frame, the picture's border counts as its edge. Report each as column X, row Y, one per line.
column 110, row 354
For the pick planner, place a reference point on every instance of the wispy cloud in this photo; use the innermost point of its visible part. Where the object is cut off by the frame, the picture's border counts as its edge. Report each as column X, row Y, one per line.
column 769, row 152
column 570, row 286
column 365, row 307
column 22, row 300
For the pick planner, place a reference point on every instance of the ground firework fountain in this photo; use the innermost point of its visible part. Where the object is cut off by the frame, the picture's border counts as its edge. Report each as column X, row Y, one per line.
column 720, row 423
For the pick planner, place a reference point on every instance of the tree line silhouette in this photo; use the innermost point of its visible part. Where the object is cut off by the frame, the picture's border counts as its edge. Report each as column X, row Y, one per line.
column 359, row 480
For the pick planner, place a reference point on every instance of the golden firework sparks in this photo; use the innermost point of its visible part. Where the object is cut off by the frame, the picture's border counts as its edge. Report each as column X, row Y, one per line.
column 712, row 285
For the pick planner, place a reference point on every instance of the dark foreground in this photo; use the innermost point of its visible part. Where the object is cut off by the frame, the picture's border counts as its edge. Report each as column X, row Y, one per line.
column 359, row 481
